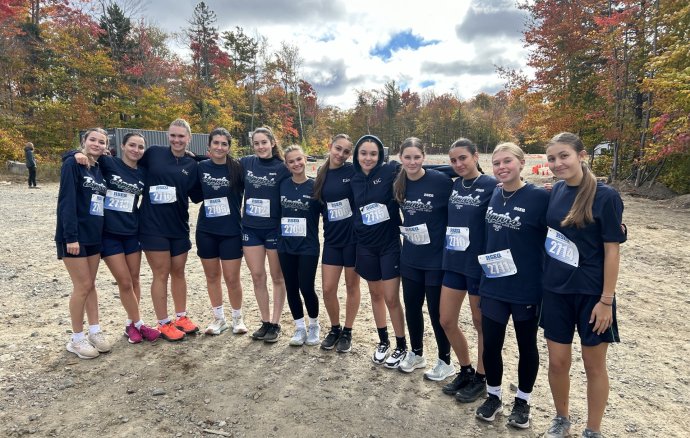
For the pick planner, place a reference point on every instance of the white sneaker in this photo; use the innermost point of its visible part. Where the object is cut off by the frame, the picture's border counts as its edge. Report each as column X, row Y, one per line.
column 412, row 362
column 313, row 335
column 299, row 338
column 380, row 354
column 238, row 326
column 440, row 371
column 217, row 327
column 99, row 342
column 395, row 358
column 83, row 349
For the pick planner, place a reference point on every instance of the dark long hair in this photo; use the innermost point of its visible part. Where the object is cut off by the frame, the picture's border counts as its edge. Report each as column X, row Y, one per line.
column 275, row 149
column 468, row 144
column 234, row 166
column 323, row 170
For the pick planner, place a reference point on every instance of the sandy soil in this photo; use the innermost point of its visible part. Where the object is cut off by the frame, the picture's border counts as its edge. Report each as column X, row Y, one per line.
column 232, row 386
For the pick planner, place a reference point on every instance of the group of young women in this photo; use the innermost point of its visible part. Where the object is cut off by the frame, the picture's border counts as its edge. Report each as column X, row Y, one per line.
column 516, row 249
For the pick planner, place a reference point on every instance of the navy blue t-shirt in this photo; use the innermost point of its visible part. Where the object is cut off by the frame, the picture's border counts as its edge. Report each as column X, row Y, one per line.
column 125, row 185
column 80, row 204
column 338, row 230
column 376, row 188
column 262, row 179
column 518, row 226
column 168, row 178
column 467, row 209
column 299, row 228
column 425, row 206
column 588, row 277
column 220, row 212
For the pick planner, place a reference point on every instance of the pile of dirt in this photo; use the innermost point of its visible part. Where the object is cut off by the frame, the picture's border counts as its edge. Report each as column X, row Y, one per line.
column 656, row 191
column 682, row 202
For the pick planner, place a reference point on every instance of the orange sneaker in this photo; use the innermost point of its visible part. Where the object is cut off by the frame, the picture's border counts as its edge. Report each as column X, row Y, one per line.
column 170, row 333
column 186, row 325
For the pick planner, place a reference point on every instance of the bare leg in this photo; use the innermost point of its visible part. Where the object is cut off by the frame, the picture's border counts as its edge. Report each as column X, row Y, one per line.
column 353, row 296
column 560, row 359
column 82, row 271
column 330, row 277
column 594, row 359
column 255, row 256
column 178, row 282
column 391, row 294
column 212, row 271
column 231, row 274
column 117, row 263
column 451, row 303
column 160, row 262
column 279, row 291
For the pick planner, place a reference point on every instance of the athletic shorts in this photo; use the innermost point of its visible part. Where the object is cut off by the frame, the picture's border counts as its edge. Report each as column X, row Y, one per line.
column 422, row 276
column 500, row 311
column 267, row 237
column 562, row 313
column 157, row 243
column 211, row 246
column 116, row 244
column 374, row 264
column 339, row 256
column 84, row 250
column 458, row 281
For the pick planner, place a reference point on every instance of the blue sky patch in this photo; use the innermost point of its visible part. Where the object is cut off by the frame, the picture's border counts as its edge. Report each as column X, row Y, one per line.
column 402, row 40
column 426, row 84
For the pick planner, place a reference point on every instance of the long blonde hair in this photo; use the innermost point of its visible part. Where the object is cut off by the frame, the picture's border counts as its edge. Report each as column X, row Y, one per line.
column 400, row 183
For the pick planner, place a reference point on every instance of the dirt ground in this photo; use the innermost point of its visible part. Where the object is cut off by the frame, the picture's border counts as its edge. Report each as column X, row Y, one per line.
column 232, row 386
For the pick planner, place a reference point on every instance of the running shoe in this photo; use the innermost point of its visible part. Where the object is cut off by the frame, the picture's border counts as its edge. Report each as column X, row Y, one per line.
column 490, row 408
column 460, row 381
column 299, row 338
column 170, row 333
column 589, row 433
column 217, row 327
column 474, row 390
column 441, row 371
column 560, row 428
column 411, row 362
column 186, row 325
column 331, row 339
column 313, row 335
column 148, row 333
column 519, row 416
column 99, row 341
column 344, row 344
column 83, row 349
column 380, row 353
column 133, row 335
column 261, row 331
column 238, row 326
column 395, row 358
column 272, row 334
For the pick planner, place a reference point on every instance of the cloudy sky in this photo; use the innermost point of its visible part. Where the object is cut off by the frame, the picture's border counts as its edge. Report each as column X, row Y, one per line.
column 347, row 45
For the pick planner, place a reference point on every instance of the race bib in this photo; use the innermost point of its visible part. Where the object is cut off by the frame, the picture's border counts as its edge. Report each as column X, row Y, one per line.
column 258, row 207
column 498, row 264
column 162, row 195
column 561, row 248
column 338, row 210
column 374, row 213
column 293, row 227
column 216, row 207
column 416, row 235
column 96, row 207
column 457, row 238
column 119, row 201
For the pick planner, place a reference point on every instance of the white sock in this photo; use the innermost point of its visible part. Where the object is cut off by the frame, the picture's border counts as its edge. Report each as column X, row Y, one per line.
column 313, row 321
column 218, row 312
column 128, row 322
column 181, row 314
column 93, row 329
column 138, row 324
column 495, row 390
column 523, row 395
column 299, row 323
column 164, row 320
column 236, row 313
column 76, row 337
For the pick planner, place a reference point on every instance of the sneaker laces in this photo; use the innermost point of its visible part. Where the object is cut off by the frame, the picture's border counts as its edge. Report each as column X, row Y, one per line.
column 559, row 425
column 397, row 353
column 382, row 348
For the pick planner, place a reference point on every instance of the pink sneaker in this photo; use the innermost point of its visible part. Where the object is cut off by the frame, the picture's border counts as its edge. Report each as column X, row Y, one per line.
column 133, row 335
column 148, row 333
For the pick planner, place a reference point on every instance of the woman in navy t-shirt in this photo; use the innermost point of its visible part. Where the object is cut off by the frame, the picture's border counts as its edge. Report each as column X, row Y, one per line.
column 78, row 236
column 511, row 283
column 263, row 173
column 332, row 188
column 580, row 274
column 218, row 230
column 464, row 241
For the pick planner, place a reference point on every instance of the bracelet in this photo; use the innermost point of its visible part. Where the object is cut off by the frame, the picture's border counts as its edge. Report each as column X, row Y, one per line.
column 606, row 304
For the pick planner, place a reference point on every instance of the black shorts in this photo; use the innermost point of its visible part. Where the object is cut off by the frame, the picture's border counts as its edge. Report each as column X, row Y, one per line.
column 116, row 244
column 211, row 246
column 458, row 281
column 84, row 250
column 157, row 243
column 500, row 311
column 339, row 256
column 266, row 237
column 374, row 264
column 561, row 314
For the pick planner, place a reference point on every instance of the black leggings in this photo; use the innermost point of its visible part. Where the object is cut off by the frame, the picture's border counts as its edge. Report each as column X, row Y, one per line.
column 299, row 272
column 32, row 176
column 413, row 295
column 528, row 364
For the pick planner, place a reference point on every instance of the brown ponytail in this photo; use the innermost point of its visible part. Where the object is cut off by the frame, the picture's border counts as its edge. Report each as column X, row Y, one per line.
column 400, row 183
column 323, row 170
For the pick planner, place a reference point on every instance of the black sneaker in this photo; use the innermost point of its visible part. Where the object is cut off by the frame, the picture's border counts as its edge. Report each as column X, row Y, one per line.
column 519, row 416
column 331, row 338
column 473, row 390
column 272, row 334
column 344, row 344
column 460, row 381
column 488, row 410
column 261, row 332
